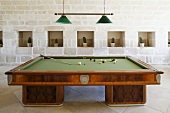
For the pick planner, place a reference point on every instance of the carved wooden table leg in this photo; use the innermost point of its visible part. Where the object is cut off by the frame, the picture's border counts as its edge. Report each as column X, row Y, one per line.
column 125, row 94
column 43, row 95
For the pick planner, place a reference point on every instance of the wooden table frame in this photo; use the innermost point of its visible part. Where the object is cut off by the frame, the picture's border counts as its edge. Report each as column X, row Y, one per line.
column 47, row 87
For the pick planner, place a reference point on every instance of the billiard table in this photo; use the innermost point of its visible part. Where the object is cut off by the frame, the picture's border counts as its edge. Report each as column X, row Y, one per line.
column 44, row 77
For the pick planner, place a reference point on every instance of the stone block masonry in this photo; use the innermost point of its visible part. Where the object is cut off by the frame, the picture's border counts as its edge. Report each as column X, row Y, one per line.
column 130, row 17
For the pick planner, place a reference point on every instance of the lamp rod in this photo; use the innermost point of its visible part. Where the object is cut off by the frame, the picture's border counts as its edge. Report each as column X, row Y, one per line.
column 84, row 14
column 63, row 6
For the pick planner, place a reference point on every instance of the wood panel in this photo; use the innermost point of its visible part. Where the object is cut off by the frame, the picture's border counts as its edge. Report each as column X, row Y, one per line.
column 125, row 94
column 94, row 79
column 43, row 95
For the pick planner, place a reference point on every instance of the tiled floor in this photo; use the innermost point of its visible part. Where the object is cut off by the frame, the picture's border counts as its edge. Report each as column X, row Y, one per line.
column 87, row 99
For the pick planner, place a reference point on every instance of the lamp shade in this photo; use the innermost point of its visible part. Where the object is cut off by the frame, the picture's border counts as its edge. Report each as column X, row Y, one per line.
column 104, row 20
column 64, row 20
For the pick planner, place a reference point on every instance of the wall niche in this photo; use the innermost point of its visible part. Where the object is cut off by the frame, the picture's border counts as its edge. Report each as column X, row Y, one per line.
column 116, row 37
column 148, row 38
column 1, row 39
column 25, row 39
column 87, row 41
column 55, row 38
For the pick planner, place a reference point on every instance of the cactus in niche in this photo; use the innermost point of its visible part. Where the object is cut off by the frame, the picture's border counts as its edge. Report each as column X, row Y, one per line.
column 29, row 40
column 84, row 40
column 140, row 40
column 29, row 43
column 142, row 44
column 113, row 40
column 56, row 40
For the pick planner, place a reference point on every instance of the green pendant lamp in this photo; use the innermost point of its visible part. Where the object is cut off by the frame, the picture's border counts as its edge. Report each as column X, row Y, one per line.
column 104, row 19
column 63, row 19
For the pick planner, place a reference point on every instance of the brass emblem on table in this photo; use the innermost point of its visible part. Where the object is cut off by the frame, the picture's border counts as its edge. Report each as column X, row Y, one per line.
column 84, row 79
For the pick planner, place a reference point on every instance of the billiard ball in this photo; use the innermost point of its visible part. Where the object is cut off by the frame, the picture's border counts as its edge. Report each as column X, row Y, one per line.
column 79, row 63
column 103, row 61
column 100, row 62
column 113, row 60
column 90, row 59
column 94, row 60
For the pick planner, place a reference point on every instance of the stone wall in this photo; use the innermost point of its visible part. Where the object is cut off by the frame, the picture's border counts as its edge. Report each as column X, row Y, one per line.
column 130, row 16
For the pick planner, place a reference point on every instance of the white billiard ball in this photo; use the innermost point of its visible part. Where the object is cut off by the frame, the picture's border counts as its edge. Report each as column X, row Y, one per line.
column 79, row 63
column 100, row 62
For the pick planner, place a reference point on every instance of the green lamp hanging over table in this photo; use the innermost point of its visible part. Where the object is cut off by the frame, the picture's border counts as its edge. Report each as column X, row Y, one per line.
column 104, row 19
column 63, row 19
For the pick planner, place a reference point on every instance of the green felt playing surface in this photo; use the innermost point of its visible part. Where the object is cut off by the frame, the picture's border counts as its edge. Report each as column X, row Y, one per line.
column 86, row 64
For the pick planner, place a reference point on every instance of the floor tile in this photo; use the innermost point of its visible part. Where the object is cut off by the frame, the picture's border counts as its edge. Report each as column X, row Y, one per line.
column 141, row 109
column 77, row 103
column 154, row 101
column 118, row 109
column 7, row 100
column 13, row 108
column 168, row 111
column 93, row 92
column 47, row 109
column 160, row 92
column 98, row 108
column 18, row 94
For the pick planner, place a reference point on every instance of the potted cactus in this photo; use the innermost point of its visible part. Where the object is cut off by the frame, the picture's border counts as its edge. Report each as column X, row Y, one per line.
column 29, row 43
column 1, row 43
column 141, row 43
column 56, row 43
column 84, row 42
column 168, row 42
column 113, row 42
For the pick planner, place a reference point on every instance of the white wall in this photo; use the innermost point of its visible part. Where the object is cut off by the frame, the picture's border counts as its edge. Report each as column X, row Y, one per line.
column 129, row 16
